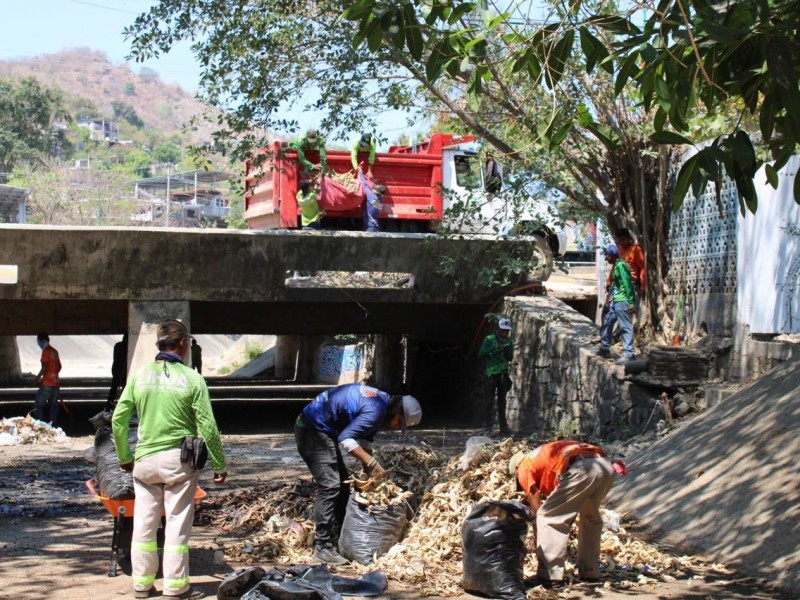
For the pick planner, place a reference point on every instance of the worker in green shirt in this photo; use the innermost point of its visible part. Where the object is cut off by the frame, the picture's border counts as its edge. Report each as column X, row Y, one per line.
column 366, row 143
column 622, row 307
column 310, row 141
column 310, row 214
column 498, row 350
column 172, row 402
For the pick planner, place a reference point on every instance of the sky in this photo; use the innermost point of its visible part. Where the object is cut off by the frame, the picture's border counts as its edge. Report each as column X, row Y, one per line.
column 47, row 26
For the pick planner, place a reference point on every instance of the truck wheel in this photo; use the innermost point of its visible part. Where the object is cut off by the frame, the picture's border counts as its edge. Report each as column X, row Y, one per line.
column 543, row 259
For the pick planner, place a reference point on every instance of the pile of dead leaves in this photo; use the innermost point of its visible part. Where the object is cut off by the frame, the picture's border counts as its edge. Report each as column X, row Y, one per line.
column 429, row 557
column 27, row 430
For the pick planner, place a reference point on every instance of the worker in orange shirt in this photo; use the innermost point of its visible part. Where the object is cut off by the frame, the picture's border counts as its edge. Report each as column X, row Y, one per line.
column 561, row 480
column 46, row 403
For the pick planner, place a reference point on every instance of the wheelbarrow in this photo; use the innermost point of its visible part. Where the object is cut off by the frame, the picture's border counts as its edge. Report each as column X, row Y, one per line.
column 122, row 511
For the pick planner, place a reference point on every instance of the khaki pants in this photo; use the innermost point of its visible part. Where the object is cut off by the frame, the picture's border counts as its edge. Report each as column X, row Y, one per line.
column 163, row 486
column 579, row 492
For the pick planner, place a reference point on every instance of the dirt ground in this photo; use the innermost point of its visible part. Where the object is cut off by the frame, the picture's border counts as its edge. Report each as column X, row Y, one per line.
column 55, row 538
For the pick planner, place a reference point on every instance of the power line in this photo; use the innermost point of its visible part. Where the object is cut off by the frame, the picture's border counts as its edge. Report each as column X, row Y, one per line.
column 115, row 9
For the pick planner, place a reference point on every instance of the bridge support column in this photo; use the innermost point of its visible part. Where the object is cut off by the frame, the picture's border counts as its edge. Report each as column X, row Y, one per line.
column 143, row 319
column 307, row 358
column 10, row 370
column 286, row 349
column 389, row 362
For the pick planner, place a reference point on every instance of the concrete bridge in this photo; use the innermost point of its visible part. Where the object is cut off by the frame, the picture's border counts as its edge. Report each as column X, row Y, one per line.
column 90, row 280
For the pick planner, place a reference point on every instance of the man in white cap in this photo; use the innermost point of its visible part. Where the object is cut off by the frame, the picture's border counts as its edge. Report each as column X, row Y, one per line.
column 498, row 350
column 345, row 419
column 172, row 402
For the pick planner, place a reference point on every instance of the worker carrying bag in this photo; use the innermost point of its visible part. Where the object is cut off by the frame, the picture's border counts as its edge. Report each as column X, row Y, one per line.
column 194, row 452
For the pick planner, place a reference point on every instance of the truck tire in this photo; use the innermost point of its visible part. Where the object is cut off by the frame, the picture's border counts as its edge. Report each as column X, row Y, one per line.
column 543, row 256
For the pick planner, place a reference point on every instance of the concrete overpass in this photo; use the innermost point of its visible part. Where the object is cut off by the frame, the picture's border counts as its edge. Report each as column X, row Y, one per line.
column 82, row 280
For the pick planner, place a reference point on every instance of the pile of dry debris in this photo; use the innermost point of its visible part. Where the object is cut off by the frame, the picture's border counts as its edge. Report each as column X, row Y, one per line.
column 27, row 430
column 275, row 524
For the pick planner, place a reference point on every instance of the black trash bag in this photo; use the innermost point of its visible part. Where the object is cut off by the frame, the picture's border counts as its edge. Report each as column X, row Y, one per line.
column 368, row 533
column 101, row 419
column 303, row 582
column 238, row 582
column 296, row 589
column 112, row 481
column 369, row 584
column 493, row 537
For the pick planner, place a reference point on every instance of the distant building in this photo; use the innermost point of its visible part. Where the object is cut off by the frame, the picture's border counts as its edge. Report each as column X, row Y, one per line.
column 13, row 204
column 190, row 198
column 100, row 130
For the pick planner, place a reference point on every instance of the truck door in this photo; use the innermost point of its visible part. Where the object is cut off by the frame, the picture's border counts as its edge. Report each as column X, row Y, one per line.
column 466, row 205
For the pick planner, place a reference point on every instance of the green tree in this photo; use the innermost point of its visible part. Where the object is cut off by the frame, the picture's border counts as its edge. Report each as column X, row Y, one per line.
column 123, row 110
column 30, row 115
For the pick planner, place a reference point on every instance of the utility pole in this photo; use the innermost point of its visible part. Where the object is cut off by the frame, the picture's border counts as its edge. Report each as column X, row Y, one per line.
column 166, row 212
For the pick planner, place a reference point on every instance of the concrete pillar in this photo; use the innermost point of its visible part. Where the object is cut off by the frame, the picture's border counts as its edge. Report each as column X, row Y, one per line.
column 389, row 362
column 10, row 370
column 286, row 349
column 307, row 358
column 143, row 319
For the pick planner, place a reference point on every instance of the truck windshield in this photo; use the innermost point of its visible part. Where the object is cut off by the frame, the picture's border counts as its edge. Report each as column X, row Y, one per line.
column 468, row 172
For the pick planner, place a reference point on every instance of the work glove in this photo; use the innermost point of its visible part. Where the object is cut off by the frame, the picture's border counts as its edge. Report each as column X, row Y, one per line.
column 376, row 471
column 219, row 478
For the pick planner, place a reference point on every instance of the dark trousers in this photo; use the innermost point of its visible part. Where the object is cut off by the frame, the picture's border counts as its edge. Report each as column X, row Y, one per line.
column 499, row 384
column 46, row 405
column 324, row 459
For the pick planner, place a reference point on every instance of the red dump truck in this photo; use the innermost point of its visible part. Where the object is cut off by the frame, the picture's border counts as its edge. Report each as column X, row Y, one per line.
column 423, row 182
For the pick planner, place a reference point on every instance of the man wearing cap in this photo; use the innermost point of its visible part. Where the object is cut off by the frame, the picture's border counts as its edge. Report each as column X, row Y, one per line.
column 622, row 306
column 345, row 419
column 374, row 202
column 310, row 141
column 498, row 350
column 366, row 143
column 562, row 480
column 172, row 402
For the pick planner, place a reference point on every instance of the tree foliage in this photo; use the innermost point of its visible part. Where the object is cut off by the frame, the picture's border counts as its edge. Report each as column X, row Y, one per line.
column 687, row 57
column 28, row 115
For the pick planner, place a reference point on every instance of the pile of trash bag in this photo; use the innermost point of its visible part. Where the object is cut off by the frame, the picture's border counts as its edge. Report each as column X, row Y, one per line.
column 493, row 537
column 297, row 582
column 111, row 480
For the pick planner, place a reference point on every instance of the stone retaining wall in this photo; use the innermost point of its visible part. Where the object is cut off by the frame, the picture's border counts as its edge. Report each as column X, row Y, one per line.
column 560, row 384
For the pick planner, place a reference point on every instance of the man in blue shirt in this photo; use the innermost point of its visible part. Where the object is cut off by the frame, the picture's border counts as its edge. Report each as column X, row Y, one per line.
column 345, row 418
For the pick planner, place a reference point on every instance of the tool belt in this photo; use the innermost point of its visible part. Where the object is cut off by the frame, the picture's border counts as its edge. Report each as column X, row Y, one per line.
column 194, row 452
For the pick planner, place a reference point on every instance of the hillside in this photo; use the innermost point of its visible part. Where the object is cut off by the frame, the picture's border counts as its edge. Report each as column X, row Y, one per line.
column 81, row 72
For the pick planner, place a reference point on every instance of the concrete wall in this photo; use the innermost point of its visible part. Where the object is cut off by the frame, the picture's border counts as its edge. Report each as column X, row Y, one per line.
column 9, row 360
column 559, row 382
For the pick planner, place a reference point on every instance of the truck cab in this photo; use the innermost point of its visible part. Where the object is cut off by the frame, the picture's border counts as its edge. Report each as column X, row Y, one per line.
column 468, row 207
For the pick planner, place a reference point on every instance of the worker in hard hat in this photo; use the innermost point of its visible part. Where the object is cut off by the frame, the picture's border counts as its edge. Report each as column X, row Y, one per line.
column 345, row 419
column 311, row 141
column 561, row 480
column 365, row 143
column 498, row 350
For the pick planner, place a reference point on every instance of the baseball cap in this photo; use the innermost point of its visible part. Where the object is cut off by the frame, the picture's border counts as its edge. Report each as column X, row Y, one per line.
column 366, row 139
column 412, row 412
column 513, row 463
column 611, row 249
column 311, row 135
column 171, row 330
column 504, row 324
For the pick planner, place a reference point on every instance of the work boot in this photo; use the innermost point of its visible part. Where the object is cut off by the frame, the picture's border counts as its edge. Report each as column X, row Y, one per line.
column 144, row 593
column 328, row 555
column 190, row 594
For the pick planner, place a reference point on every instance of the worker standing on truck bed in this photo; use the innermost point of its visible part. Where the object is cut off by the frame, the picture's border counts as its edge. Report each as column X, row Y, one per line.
column 310, row 141
column 372, row 208
column 366, row 143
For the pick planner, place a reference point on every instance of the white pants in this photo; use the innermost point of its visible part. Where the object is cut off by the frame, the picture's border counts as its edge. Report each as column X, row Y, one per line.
column 163, row 486
column 579, row 492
